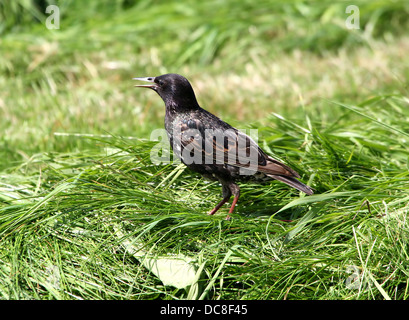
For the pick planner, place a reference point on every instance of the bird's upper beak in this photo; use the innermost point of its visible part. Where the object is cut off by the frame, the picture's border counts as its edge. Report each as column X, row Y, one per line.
column 148, row 79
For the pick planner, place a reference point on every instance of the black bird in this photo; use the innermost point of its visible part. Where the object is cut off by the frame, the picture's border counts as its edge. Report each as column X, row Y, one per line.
column 210, row 146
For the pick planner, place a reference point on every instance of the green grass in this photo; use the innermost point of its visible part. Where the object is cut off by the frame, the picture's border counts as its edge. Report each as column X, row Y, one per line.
column 84, row 214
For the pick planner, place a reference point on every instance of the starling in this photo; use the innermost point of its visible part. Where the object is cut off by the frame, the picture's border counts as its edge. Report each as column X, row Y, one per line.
column 210, row 146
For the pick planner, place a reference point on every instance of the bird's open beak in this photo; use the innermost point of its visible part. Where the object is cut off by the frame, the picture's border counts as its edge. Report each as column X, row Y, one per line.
column 147, row 79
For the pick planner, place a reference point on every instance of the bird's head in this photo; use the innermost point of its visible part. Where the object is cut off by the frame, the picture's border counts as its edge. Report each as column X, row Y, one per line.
column 174, row 89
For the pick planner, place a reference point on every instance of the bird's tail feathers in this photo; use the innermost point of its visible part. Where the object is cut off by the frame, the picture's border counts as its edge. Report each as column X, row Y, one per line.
column 293, row 183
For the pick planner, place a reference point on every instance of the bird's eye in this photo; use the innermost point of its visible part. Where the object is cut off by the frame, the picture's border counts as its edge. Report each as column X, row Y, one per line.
column 160, row 82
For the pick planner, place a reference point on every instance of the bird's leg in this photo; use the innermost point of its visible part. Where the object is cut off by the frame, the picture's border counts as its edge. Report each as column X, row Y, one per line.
column 226, row 197
column 236, row 193
column 216, row 208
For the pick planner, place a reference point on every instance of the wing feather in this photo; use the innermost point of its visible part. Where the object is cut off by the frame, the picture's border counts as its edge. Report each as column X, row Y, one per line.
column 230, row 147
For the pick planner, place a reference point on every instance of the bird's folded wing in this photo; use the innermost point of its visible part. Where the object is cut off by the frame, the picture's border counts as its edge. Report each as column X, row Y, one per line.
column 230, row 146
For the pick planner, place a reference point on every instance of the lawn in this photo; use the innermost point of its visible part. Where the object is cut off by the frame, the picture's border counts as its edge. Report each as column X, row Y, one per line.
column 85, row 214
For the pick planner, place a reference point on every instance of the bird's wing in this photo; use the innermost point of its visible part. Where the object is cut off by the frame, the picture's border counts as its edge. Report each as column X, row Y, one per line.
column 197, row 143
column 275, row 167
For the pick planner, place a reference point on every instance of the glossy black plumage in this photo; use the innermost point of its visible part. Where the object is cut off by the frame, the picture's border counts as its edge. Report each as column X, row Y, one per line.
column 194, row 136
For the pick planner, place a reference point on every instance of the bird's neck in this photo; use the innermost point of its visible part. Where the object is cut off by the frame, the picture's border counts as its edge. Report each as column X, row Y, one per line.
column 174, row 107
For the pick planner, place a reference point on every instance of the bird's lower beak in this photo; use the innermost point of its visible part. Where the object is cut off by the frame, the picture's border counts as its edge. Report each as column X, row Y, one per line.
column 147, row 79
